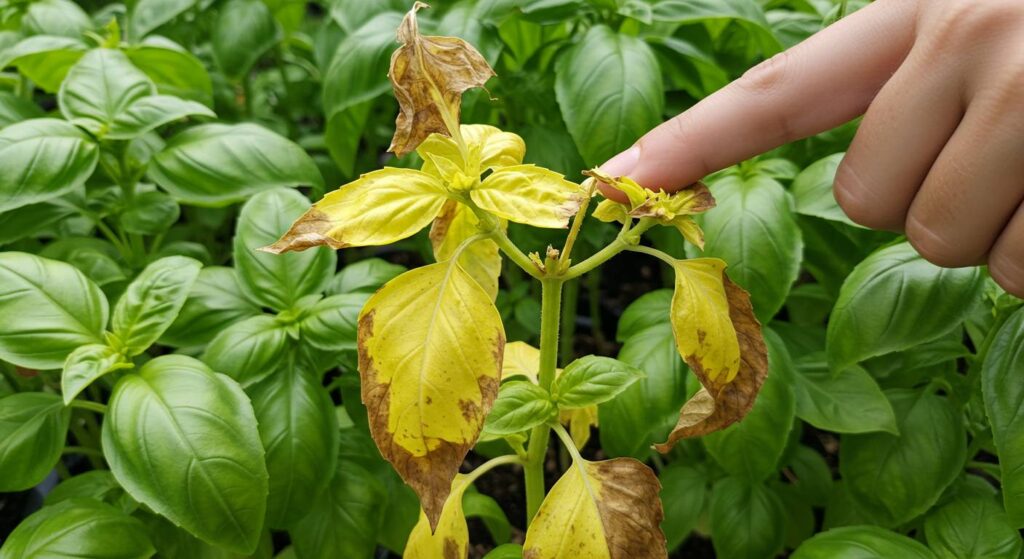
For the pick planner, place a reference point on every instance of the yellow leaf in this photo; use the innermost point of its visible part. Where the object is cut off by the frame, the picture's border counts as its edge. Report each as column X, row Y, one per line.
column 610, row 210
column 599, row 510
column 635, row 193
column 429, row 75
column 689, row 229
column 451, row 539
column 430, row 353
column 376, row 209
column 481, row 259
column 720, row 339
column 489, row 148
column 579, row 421
column 529, row 194
column 521, row 358
column 664, row 207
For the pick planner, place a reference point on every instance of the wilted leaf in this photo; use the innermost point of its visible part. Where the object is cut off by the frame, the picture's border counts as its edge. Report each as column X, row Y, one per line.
column 429, row 75
column 378, row 208
column 451, row 538
column 529, row 194
column 481, row 259
column 430, row 351
column 718, row 336
column 607, row 509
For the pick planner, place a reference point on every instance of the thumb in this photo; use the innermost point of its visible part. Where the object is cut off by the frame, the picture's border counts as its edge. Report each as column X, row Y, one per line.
column 824, row 81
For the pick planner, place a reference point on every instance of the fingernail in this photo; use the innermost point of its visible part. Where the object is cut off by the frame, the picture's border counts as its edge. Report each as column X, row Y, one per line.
column 623, row 163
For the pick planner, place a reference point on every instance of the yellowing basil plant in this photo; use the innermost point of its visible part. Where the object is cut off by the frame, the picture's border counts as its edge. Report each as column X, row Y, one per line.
column 433, row 364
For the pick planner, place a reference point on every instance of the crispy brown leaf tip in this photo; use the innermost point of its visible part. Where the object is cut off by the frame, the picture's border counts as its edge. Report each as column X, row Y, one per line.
column 429, row 75
column 309, row 231
column 720, row 403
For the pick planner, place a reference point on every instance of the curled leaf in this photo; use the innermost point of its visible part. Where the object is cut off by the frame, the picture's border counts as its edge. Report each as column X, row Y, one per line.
column 430, row 352
column 378, row 208
column 719, row 337
column 608, row 509
column 429, row 75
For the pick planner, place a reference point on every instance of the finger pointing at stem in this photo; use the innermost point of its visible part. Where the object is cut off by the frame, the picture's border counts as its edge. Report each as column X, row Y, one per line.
column 824, row 81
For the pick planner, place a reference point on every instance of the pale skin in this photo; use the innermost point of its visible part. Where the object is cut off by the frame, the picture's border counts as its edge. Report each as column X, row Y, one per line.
column 939, row 154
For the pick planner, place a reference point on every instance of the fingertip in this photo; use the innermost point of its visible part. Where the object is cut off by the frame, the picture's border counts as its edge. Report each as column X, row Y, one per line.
column 611, row 193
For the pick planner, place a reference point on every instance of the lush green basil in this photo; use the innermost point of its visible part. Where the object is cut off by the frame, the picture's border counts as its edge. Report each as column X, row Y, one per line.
column 42, row 158
column 152, row 302
column 343, row 520
column 851, row 402
column 592, row 380
column 146, row 15
column 101, row 87
column 683, row 494
column 149, row 113
column 150, row 213
column 861, row 542
column 521, row 405
column 78, row 527
column 86, row 364
column 249, row 350
column 972, row 527
column 812, row 190
column 174, row 70
column 33, row 426
column 746, row 519
column 1003, row 392
column 365, row 276
column 242, row 32
column 215, row 302
column 44, row 59
column 330, row 325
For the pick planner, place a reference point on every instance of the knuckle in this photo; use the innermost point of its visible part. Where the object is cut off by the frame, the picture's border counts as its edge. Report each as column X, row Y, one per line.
column 854, row 198
column 768, row 76
column 931, row 243
column 963, row 22
column 1007, row 272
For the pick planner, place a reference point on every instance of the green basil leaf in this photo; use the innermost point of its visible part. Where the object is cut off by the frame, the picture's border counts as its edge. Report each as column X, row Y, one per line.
column 1004, row 404
column 96, row 258
column 754, row 229
column 277, row 281
column 365, row 276
column 152, row 112
column 174, row 70
column 217, row 164
column 33, row 426
column 44, row 59
column 299, row 430
column 592, row 380
column 32, row 220
column 152, row 302
column 851, row 402
column 812, row 190
column 242, row 32
column 42, row 158
column 683, row 492
column 85, row 365
column 484, row 507
column 146, row 15
column 506, row 551
column 896, row 478
column 98, row 485
column 216, row 302
column 649, row 309
column 521, row 405
column 15, row 109
column 172, row 542
column 861, row 542
column 608, row 69
column 972, row 528
column 47, row 309
column 343, row 520
column 895, row 300
column 332, row 323
column 150, row 213
column 99, row 88
column 78, row 528
column 176, row 424
column 56, row 17
column 249, row 350
column 746, row 520
column 813, row 479
column 749, row 16
column 751, row 449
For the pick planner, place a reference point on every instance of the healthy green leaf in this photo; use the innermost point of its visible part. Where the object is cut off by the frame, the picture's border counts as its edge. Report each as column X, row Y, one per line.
column 1004, row 403
column 272, row 280
column 14, row 109
column 101, row 87
column 47, row 309
column 894, row 300
column 86, row 364
column 150, row 213
column 78, row 528
column 972, row 528
column 812, row 190
column 851, row 402
column 146, row 15
column 217, row 164
column 861, row 542
column 33, row 426
column 174, row 70
column 746, row 520
column 342, row 520
column 896, row 478
column 331, row 324
column 813, row 479
column 152, row 302
column 490, row 512
column 592, row 380
column 365, row 276
column 521, row 405
column 149, row 113
column 176, row 424
column 98, row 485
column 249, row 350
column 604, row 70
column 44, row 59
column 748, row 15
column 216, row 302
column 683, row 492
column 648, row 310
column 42, row 158
column 242, row 32
column 56, row 17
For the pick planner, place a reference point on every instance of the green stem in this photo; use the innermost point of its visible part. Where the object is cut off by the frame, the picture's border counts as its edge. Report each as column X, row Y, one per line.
column 489, row 224
column 490, row 465
column 92, row 452
column 577, row 223
column 568, row 336
column 653, row 252
column 628, row 237
column 87, row 405
column 570, row 445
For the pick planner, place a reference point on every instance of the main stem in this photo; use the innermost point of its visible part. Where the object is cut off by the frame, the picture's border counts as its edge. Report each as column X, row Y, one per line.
column 550, row 315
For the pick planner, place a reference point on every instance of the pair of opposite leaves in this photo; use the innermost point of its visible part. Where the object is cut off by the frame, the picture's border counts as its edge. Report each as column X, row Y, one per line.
column 431, row 341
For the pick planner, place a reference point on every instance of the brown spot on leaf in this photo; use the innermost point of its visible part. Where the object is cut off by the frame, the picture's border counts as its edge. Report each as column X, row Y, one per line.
column 429, row 75
column 452, row 551
column 309, row 231
column 721, row 403
column 630, row 508
column 439, row 229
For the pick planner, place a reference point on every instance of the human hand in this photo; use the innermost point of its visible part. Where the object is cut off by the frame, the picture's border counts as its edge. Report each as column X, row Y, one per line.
column 939, row 153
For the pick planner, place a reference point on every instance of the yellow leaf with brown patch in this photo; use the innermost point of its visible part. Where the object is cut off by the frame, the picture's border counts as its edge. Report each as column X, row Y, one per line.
column 429, row 75
column 451, row 538
column 481, row 259
column 599, row 510
column 430, row 353
column 529, row 194
column 378, row 208
column 719, row 337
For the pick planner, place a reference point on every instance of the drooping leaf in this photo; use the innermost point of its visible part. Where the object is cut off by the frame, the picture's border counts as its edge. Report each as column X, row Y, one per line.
column 450, row 537
column 99, row 88
column 861, row 542
column 86, row 364
column 378, row 208
column 1004, row 404
column 608, row 509
column 429, row 75
column 430, row 354
column 33, row 426
column 717, row 334
column 176, row 424
column 78, row 527
column 42, row 158
column 152, row 302
column 47, row 310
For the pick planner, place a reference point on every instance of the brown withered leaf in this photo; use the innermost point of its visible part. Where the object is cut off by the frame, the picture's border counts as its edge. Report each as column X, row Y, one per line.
column 429, row 75
column 723, row 401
